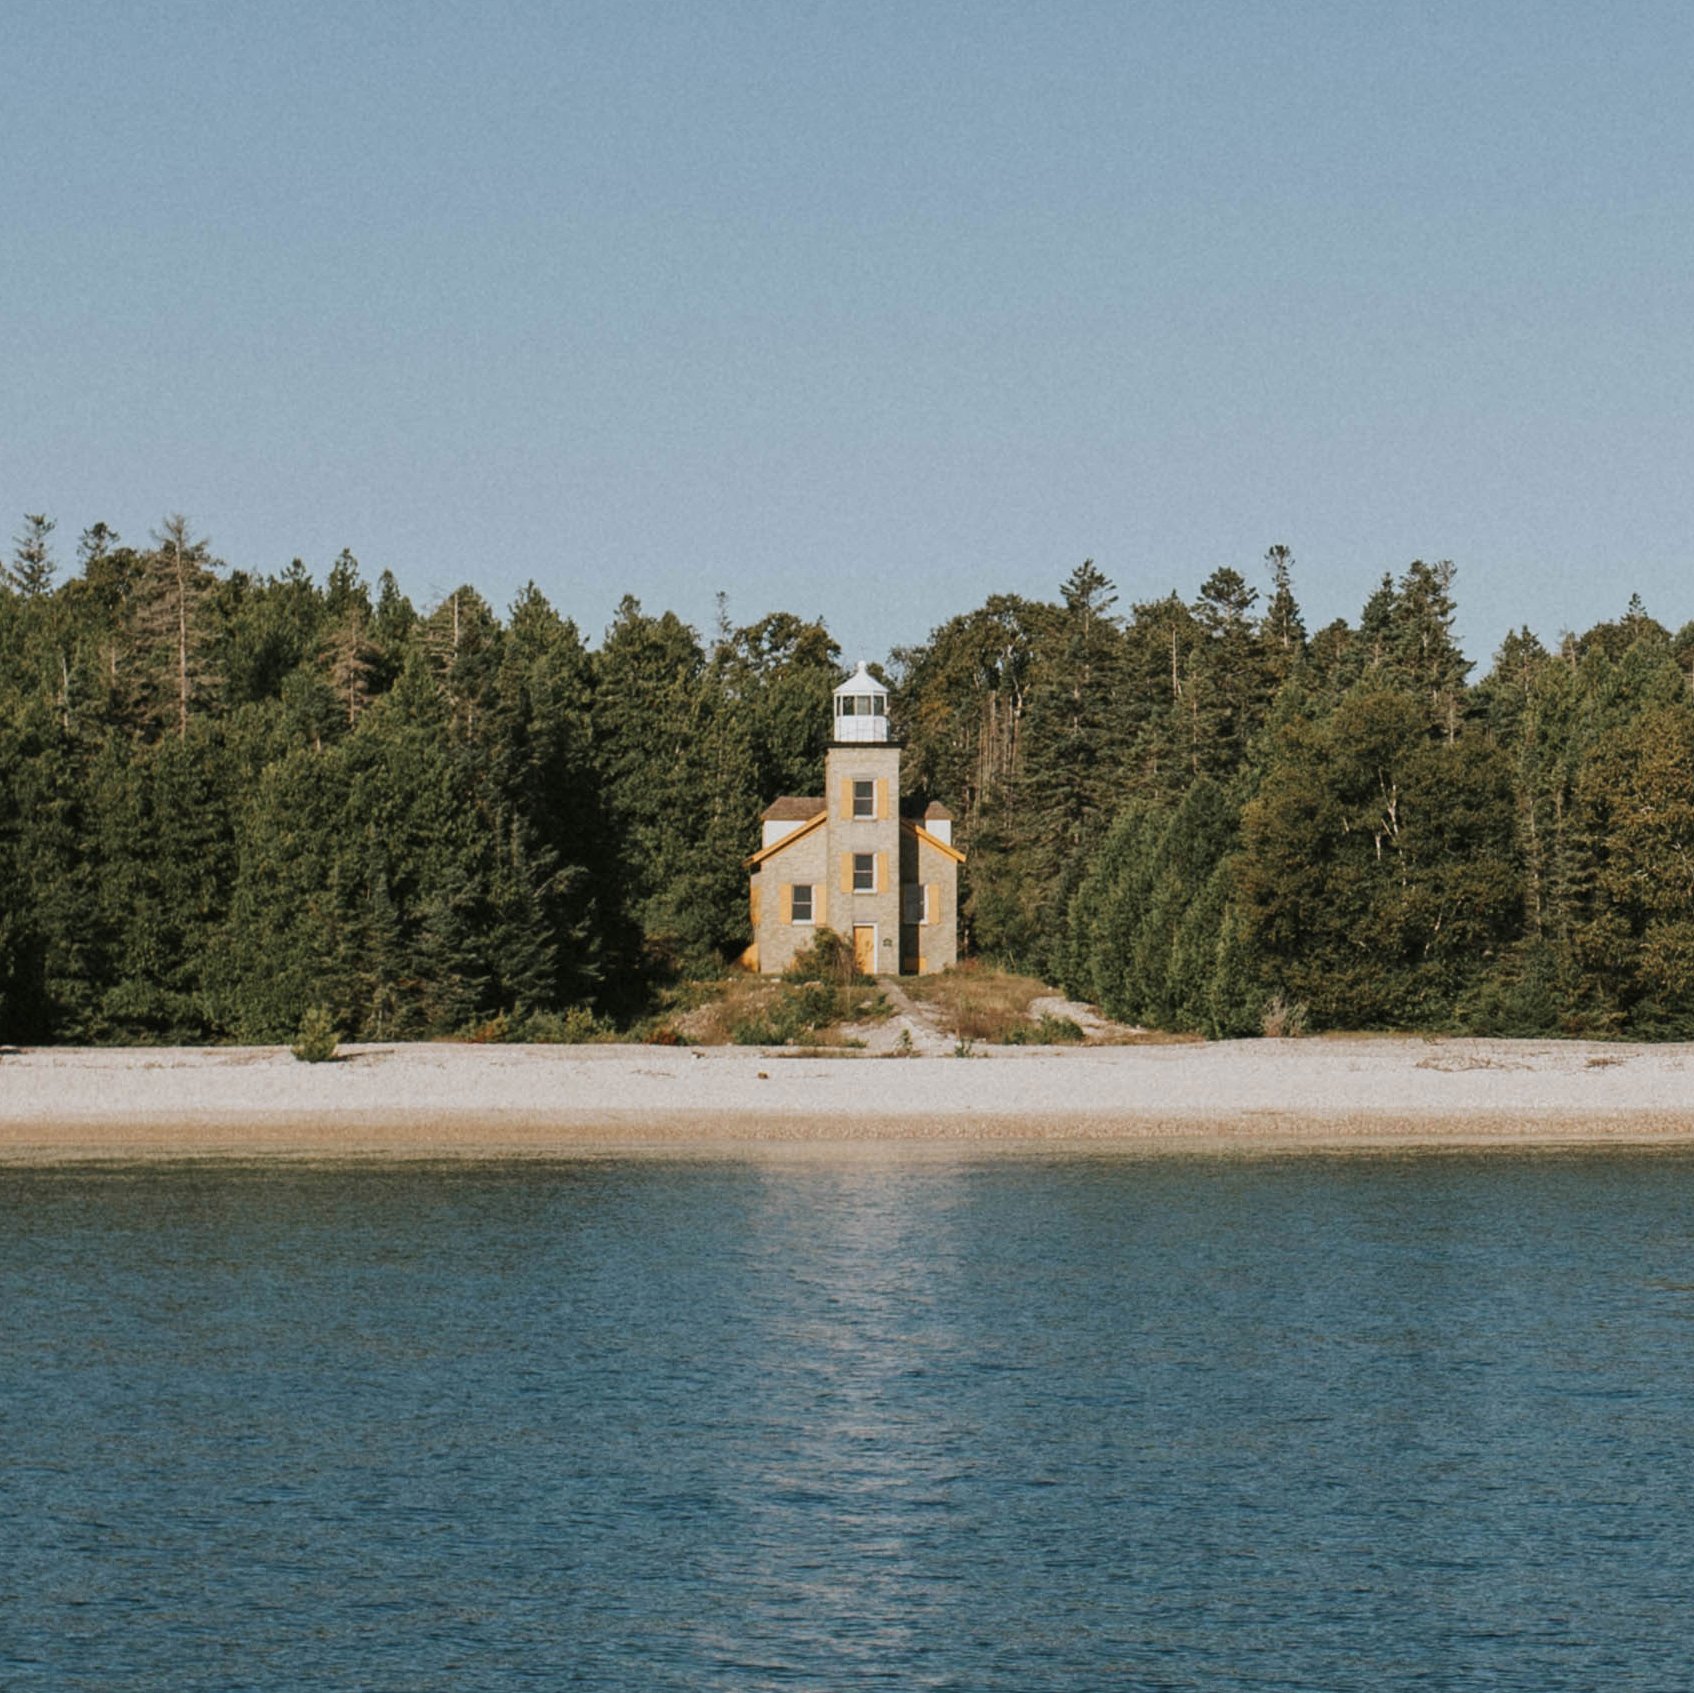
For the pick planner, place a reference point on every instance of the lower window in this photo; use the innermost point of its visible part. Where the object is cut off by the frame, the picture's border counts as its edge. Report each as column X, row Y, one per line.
column 800, row 909
column 864, row 872
column 914, row 900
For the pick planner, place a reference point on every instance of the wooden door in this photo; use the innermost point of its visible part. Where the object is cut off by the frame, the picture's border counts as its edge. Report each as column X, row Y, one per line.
column 864, row 947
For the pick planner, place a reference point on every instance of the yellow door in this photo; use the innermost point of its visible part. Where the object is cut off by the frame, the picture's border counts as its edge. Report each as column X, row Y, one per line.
column 864, row 947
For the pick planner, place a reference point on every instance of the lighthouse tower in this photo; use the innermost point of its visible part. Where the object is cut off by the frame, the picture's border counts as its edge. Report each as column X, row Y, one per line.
column 862, row 791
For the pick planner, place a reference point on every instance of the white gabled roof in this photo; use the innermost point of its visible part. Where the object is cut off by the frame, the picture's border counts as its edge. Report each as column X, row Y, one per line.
column 861, row 682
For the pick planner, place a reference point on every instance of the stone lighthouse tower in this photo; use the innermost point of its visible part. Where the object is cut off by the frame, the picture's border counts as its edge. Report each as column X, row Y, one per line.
column 862, row 791
column 851, row 861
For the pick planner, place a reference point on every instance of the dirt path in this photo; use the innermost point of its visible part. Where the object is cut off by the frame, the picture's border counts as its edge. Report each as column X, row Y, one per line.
column 1086, row 1017
column 913, row 1027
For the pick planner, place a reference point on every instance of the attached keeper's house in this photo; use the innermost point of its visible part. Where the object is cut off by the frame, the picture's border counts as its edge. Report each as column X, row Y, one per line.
column 851, row 862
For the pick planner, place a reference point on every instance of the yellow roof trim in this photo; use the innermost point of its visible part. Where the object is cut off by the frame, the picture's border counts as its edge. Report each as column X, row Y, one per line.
column 935, row 841
column 789, row 839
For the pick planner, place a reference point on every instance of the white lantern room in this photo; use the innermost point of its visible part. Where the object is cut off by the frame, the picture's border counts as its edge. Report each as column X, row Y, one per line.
column 861, row 708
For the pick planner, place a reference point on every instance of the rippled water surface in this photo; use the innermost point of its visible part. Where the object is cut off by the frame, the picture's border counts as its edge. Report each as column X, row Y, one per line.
column 1068, row 1422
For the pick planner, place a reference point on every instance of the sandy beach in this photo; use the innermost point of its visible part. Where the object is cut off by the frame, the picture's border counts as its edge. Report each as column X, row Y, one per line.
column 450, row 1101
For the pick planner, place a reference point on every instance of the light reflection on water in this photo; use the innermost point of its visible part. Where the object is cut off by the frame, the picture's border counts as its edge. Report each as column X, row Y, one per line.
column 1022, row 1423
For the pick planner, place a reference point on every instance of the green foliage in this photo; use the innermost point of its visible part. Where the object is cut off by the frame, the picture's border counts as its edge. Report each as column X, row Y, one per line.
column 317, row 1038
column 1047, row 1030
column 227, row 799
column 795, row 1015
column 1377, row 871
column 576, row 1027
column 829, row 958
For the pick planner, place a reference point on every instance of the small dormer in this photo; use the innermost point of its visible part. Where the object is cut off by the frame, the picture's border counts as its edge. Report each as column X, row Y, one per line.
column 861, row 708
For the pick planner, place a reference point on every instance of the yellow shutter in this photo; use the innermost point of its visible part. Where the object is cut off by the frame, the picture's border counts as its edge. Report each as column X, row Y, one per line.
column 847, row 798
column 881, row 872
column 846, row 872
column 753, row 904
column 788, row 902
column 931, row 903
column 881, row 797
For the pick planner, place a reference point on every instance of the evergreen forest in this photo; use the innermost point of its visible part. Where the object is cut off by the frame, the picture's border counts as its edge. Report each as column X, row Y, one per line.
column 227, row 798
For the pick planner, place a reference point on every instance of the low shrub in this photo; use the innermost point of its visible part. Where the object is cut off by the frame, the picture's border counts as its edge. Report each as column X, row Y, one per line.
column 828, row 958
column 795, row 1015
column 318, row 1038
column 976, row 1003
column 575, row 1027
column 1049, row 1031
column 1283, row 1019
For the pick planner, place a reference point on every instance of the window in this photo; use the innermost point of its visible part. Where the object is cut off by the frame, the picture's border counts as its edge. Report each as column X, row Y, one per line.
column 800, row 907
column 914, row 903
column 864, row 799
column 864, row 872
column 862, row 705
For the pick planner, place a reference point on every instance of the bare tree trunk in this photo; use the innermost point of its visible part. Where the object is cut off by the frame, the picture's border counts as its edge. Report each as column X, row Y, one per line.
column 181, row 647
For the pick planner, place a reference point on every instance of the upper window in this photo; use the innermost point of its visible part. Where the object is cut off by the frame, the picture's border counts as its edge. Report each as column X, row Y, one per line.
column 864, row 799
column 864, row 872
column 800, row 903
column 862, row 705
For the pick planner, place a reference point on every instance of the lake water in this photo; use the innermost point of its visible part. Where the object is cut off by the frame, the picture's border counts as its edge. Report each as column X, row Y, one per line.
column 889, row 1422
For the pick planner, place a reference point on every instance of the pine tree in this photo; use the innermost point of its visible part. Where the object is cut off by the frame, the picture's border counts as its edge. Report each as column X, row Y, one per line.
column 96, row 544
column 1105, row 913
column 349, row 650
column 778, row 675
column 1074, row 742
column 1421, row 645
column 546, row 761
column 1282, row 629
column 655, row 761
column 1229, row 679
column 169, row 625
column 1376, row 639
column 32, row 568
column 1632, row 938
column 960, row 703
column 1377, row 873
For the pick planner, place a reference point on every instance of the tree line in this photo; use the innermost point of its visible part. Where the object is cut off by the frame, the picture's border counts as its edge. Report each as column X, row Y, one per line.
column 227, row 797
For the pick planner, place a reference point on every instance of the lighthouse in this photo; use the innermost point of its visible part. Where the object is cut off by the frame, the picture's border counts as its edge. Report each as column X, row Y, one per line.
column 849, row 859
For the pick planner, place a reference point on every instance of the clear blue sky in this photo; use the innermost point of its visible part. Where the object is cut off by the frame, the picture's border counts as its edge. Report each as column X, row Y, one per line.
column 860, row 309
